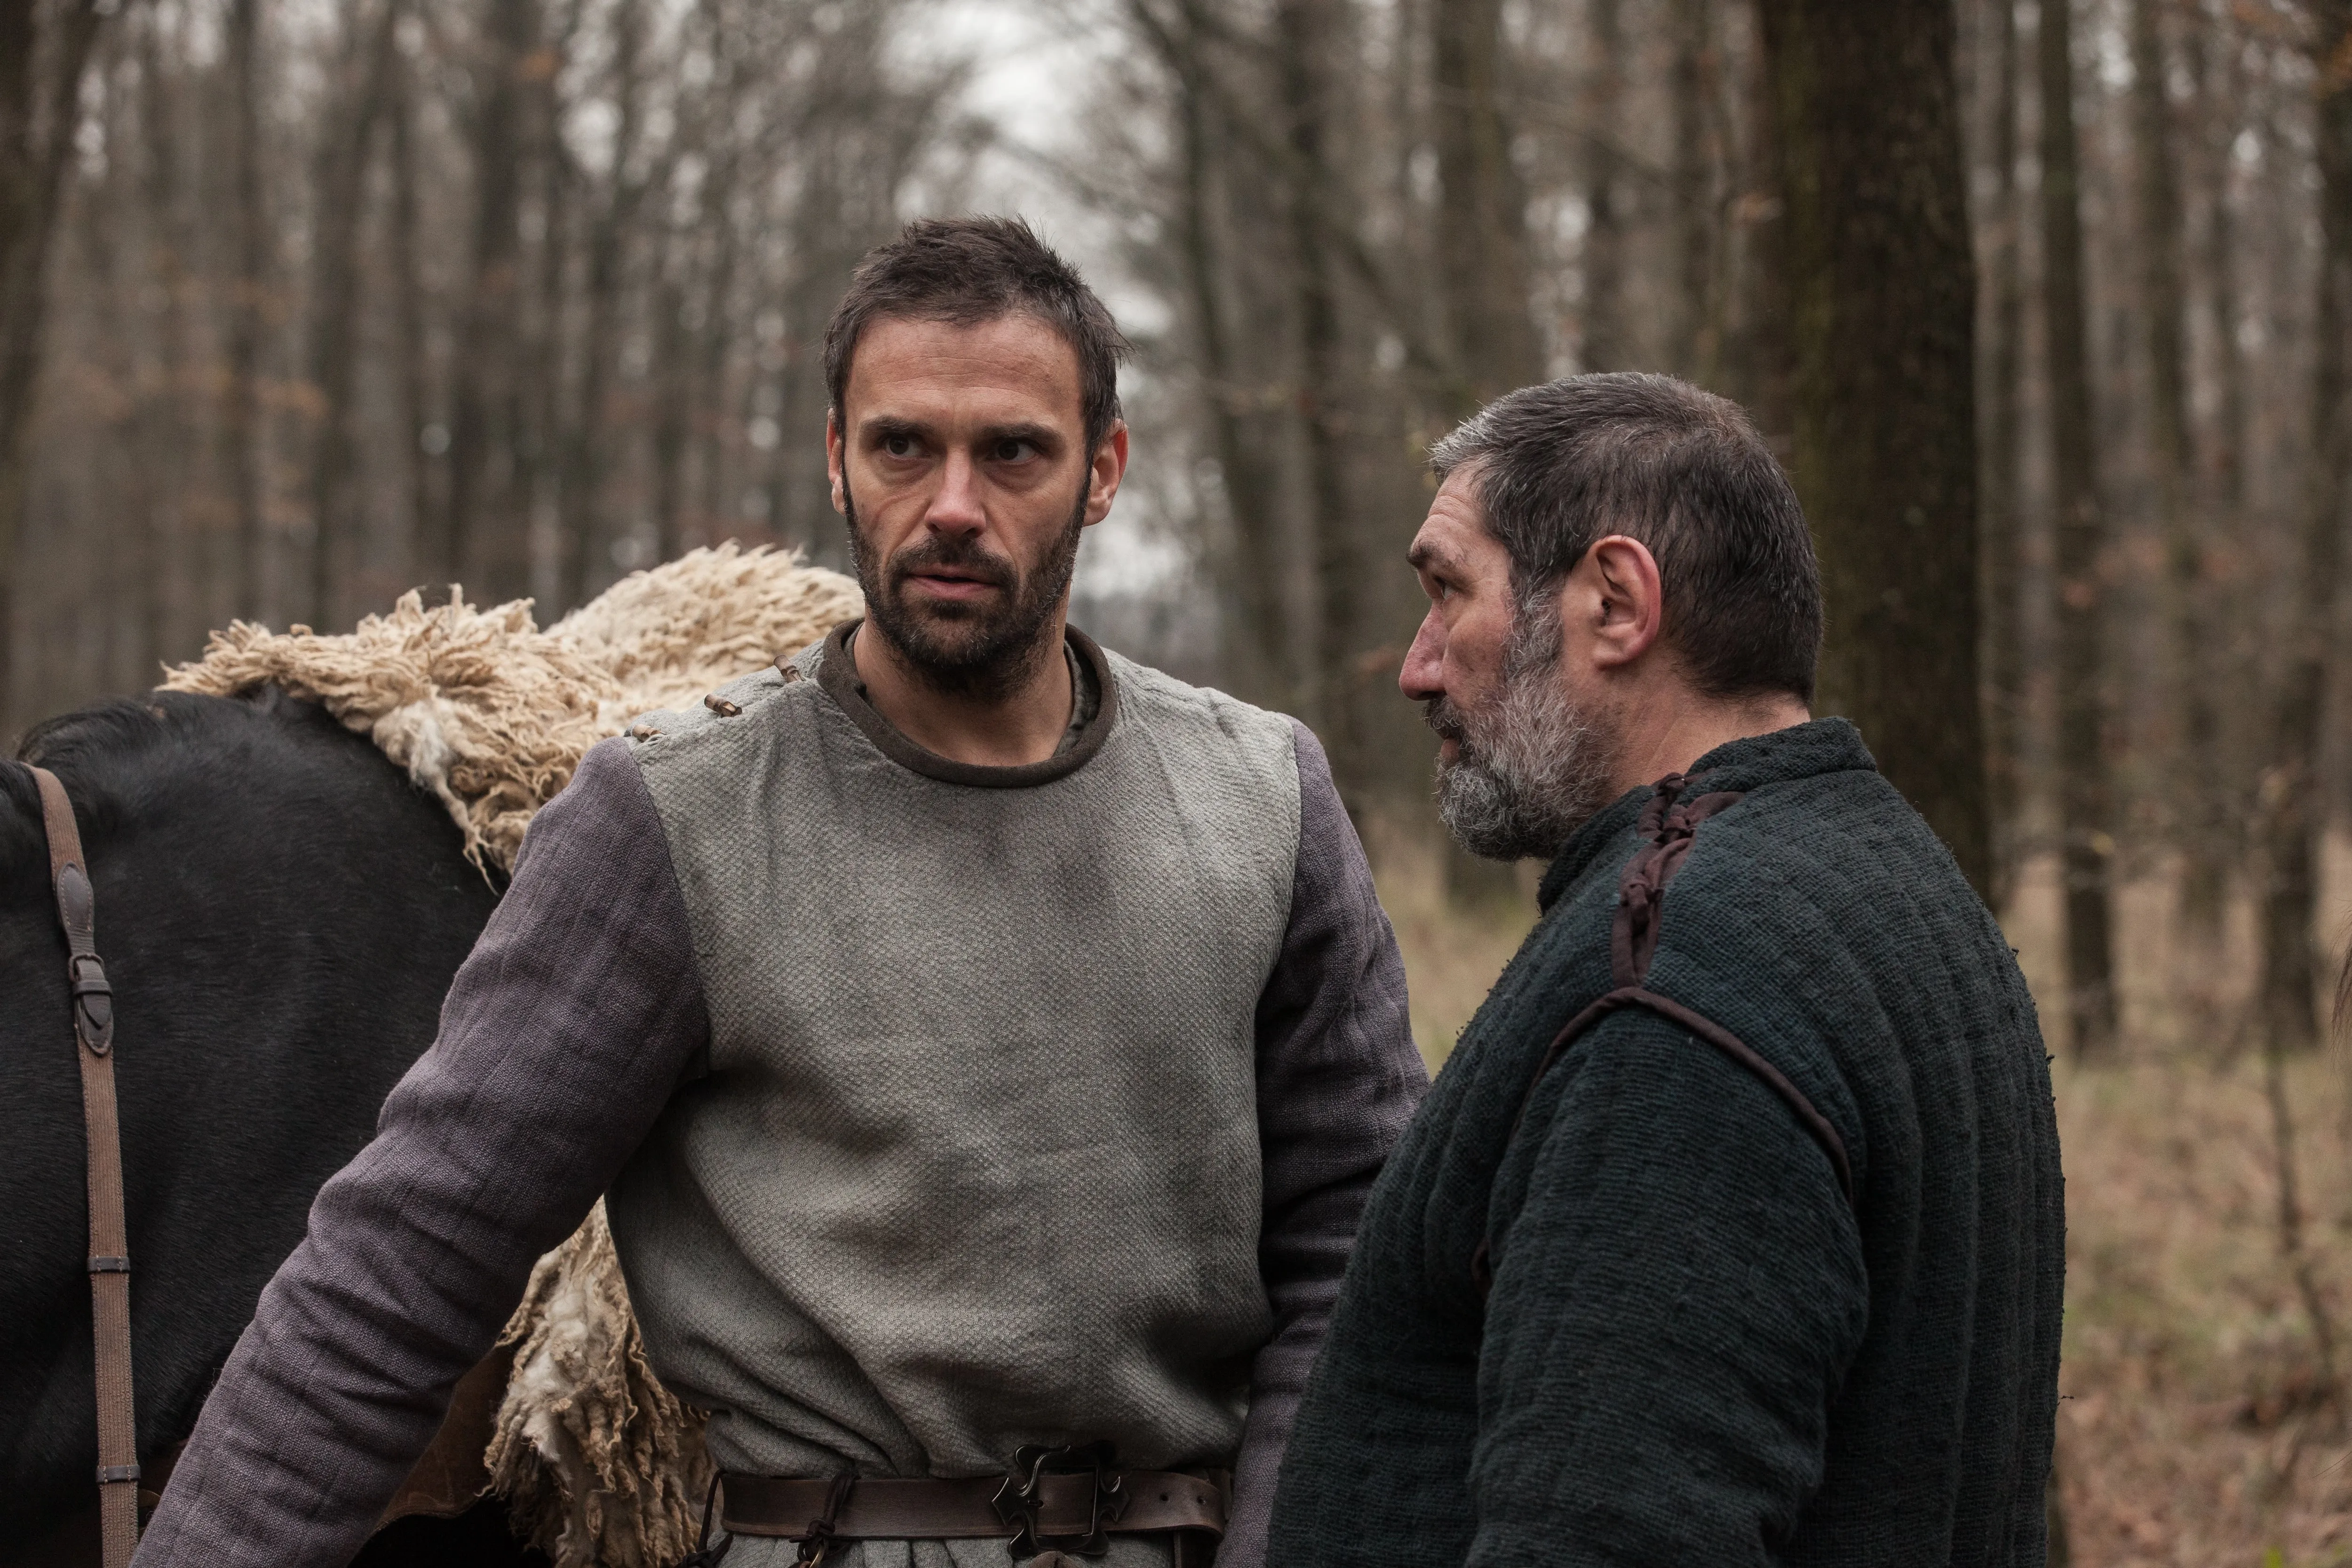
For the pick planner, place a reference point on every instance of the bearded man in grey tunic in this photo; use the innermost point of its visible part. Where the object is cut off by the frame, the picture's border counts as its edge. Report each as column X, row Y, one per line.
column 984, row 1043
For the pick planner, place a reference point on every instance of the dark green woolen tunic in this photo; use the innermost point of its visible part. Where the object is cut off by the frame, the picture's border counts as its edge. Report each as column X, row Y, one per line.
column 1694, row 1351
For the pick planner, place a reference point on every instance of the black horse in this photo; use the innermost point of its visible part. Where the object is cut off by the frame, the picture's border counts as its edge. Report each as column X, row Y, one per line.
column 280, row 912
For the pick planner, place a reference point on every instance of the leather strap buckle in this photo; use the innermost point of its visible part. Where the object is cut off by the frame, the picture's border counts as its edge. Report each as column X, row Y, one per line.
column 93, row 1000
column 1021, row 1500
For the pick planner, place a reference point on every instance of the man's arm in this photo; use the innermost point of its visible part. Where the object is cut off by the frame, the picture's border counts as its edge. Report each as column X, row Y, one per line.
column 562, row 1035
column 1337, row 1078
column 1677, row 1296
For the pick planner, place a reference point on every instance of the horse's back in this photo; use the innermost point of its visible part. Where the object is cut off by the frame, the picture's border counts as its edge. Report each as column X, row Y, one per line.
column 279, row 911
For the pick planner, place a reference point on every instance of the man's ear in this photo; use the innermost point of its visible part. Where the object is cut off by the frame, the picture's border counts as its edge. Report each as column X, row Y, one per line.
column 833, row 458
column 1632, row 610
column 1109, row 467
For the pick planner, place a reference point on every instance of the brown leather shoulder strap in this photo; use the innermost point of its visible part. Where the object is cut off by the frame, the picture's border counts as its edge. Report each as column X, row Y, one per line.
column 1672, row 824
column 109, row 1249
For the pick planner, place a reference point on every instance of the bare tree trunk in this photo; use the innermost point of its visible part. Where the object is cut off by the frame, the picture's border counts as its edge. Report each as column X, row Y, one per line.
column 2003, row 365
column 715, row 334
column 2226, row 437
column 103, row 243
column 1605, row 239
column 687, row 373
column 1757, row 353
column 484, row 534
column 2299, row 1262
column 163, row 434
column 545, row 349
column 1883, row 290
column 2218, row 92
column 1307, row 34
column 672, row 375
column 587, row 449
column 40, row 76
column 365, row 88
column 418, row 498
column 2293, row 808
column 2164, row 310
column 242, row 432
column 1690, row 23
column 1482, row 244
column 1251, row 575
column 2087, row 805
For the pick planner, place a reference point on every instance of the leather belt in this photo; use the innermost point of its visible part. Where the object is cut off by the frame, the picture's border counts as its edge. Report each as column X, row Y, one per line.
column 908, row 1507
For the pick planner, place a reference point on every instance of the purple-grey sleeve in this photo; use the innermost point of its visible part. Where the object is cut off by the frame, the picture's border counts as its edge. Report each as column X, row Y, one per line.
column 1337, row 1078
column 562, row 1035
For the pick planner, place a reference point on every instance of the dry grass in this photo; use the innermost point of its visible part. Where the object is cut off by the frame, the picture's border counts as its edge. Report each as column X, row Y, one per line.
column 2195, row 1427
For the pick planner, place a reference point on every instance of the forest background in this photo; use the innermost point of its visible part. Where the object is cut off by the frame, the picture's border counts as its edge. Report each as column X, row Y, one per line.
column 304, row 303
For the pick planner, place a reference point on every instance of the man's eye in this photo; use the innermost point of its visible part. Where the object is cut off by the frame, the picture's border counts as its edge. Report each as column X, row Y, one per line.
column 898, row 446
column 1011, row 451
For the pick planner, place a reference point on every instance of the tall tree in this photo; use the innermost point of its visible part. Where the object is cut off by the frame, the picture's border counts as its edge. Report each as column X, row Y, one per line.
column 2294, row 810
column 2003, row 367
column 2164, row 312
column 243, row 436
column 1690, row 27
column 1605, row 202
column 1481, row 247
column 1250, row 570
column 2086, row 792
column 421, row 446
column 364, row 83
column 43, row 46
column 1883, row 294
column 1307, row 36
column 586, row 467
column 484, row 534
column 163, row 436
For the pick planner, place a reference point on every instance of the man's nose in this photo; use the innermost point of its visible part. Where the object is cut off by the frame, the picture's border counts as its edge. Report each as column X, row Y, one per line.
column 956, row 508
column 1423, row 675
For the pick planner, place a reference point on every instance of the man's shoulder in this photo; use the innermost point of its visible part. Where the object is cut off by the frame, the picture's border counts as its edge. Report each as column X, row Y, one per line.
column 1844, row 842
column 720, row 728
column 1155, row 700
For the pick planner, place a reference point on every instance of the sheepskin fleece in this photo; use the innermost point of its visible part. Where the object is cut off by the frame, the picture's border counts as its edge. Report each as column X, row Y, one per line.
column 492, row 714
column 597, row 1461
column 600, row 1464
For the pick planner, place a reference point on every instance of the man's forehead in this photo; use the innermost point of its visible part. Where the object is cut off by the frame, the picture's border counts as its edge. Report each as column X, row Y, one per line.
column 1454, row 533
column 1016, row 358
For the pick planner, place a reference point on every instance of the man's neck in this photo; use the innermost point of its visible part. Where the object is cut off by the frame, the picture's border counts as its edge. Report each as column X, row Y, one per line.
column 1021, row 726
column 1681, row 727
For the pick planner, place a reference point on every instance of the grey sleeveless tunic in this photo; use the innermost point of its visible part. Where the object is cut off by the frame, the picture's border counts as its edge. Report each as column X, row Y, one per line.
column 975, row 1162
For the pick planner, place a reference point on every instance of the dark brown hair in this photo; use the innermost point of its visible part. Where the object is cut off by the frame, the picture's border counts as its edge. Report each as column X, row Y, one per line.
column 967, row 270
column 1558, row 466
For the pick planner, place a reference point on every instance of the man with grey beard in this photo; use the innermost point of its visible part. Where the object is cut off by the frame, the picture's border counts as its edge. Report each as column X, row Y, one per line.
column 1733, row 1232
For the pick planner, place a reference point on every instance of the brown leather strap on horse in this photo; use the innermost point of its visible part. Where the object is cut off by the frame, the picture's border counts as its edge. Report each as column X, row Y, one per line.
column 92, row 1003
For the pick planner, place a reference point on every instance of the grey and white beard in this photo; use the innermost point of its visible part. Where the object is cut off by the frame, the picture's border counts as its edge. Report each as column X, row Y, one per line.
column 1528, row 771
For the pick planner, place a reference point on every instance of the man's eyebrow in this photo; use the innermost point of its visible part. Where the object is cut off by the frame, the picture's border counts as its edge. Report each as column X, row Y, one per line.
column 1034, row 434
column 884, row 426
column 1424, row 556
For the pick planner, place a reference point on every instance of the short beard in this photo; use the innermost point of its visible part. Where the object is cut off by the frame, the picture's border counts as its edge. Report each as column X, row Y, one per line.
column 1533, row 768
column 984, row 651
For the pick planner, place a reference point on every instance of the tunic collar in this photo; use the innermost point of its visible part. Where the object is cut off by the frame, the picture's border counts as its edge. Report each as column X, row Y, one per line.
column 836, row 672
column 1749, row 764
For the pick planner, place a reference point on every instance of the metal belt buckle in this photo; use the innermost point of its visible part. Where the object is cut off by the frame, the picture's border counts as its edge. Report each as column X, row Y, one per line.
column 1022, row 1499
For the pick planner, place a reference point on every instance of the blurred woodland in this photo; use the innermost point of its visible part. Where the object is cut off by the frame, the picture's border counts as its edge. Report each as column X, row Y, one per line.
column 304, row 304
column 2045, row 306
